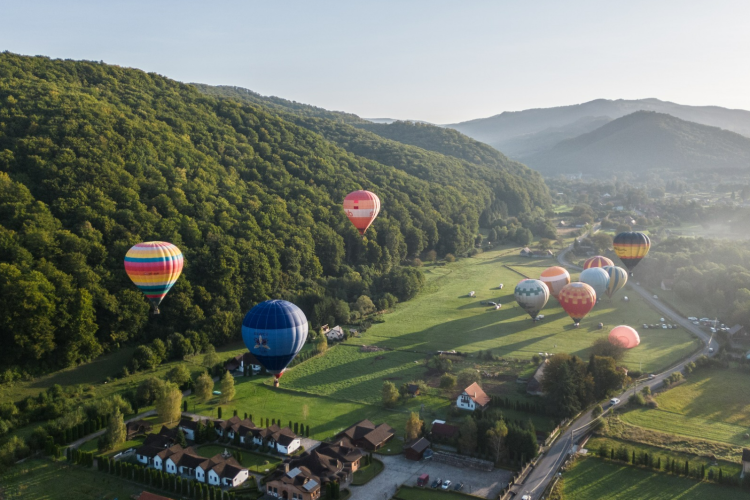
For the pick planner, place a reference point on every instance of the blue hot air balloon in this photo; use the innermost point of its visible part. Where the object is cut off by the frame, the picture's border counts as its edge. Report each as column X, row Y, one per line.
column 597, row 278
column 274, row 331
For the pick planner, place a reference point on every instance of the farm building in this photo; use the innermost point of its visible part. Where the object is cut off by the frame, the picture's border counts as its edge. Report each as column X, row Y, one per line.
column 412, row 389
column 473, row 398
column 415, row 450
column 526, row 252
column 335, row 334
column 534, row 386
column 367, row 435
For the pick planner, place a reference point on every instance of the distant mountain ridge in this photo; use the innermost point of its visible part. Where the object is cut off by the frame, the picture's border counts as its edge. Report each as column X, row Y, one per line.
column 523, row 133
column 646, row 141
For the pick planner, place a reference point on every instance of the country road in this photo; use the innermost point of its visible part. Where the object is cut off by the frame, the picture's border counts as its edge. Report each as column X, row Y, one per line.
column 545, row 468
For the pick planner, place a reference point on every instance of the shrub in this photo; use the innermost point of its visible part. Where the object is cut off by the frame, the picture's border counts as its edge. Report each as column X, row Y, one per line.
column 449, row 257
column 598, row 410
column 637, row 399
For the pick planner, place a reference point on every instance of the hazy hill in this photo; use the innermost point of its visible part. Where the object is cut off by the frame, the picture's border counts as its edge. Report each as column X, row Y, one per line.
column 509, row 131
column 648, row 142
column 95, row 158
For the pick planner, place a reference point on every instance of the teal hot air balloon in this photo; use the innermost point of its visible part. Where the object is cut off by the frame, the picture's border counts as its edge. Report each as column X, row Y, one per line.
column 532, row 296
column 597, row 278
column 274, row 331
column 617, row 279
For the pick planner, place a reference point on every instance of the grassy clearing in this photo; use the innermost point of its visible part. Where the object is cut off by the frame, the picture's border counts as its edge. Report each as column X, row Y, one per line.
column 91, row 445
column 251, row 460
column 444, row 317
column 624, row 431
column 593, row 479
column 712, row 404
column 409, row 493
column 47, row 480
column 367, row 473
column 728, row 468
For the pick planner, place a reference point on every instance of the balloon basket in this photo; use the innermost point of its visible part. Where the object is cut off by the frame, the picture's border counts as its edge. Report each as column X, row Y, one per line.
column 275, row 382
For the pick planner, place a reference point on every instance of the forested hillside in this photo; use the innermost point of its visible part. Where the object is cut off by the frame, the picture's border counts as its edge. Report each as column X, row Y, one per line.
column 95, row 158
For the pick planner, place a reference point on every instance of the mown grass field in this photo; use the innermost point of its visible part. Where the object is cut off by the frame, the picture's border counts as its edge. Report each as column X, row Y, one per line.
column 712, row 404
column 594, row 479
column 728, row 468
column 46, row 480
column 443, row 317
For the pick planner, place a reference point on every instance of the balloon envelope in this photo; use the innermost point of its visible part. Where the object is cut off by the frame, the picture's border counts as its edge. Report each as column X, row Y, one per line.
column 532, row 295
column 555, row 278
column 597, row 261
column 577, row 299
column 597, row 278
column 154, row 267
column 361, row 207
column 617, row 279
column 631, row 247
column 274, row 331
column 624, row 336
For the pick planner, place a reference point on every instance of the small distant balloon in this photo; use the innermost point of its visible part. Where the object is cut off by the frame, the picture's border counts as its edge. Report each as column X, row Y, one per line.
column 597, row 261
column 555, row 278
column 624, row 336
column 577, row 299
column 361, row 207
column 617, row 279
column 597, row 278
column 631, row 247
column 532, row 296
column 154, row 267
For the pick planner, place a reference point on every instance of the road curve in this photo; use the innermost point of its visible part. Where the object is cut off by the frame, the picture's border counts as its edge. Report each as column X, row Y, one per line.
column 549, row 463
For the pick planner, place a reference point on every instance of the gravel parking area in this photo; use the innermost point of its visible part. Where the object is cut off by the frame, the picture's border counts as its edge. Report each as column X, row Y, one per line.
column 399, row 470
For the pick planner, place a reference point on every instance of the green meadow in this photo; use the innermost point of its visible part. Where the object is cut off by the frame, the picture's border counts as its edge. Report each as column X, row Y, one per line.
column 712, row 405
column 594, row 479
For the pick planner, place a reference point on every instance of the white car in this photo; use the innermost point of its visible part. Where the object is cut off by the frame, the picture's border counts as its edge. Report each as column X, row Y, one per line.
column 651, row 376
column 664, row 327
column 656, row 297
column 692, row 318
column 661, row 319
column 614, row 401
column 446, row 484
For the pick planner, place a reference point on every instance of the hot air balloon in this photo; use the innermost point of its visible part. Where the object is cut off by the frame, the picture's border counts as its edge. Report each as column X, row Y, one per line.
column 577, row 299
column 154, row 266
column 597, row 278
column 531, row 295
column 361, row 207
column 631, row 248
column 597, row 261
column 617, row 279
column 555, row 278
column 624, row 336
column 274, row 331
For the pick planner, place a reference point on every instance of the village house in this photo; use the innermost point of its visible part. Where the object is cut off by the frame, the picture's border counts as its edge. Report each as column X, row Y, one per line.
column 155, row 444
column 367, row 435
column 220, row 470
column 335, row 334
column 473, row 398
column 189, row 426
column 283, row 440
column 243, row 364
column 534, row 386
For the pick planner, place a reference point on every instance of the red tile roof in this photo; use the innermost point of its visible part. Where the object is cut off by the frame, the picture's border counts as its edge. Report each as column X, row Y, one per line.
column 477, row 394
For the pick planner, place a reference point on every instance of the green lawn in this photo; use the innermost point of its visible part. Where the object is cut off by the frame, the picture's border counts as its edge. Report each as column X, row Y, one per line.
column 410, row 493
column 728, row 468
column 254, row 461
column 594, row 479
column 91, row 445
column 46, row 480
column 712, row 404
column 444, row 318
column 365, row 474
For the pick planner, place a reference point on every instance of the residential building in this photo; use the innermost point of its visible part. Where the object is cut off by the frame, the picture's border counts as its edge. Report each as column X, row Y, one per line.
column 298, row 483
column 189, row 426
column 153, row 445
column 335, row 334
column 368, row 436
column 283, row 440
column 473, row 398
column 243, row 364
column 415, row 450
column 344, row 451
column 534, row 386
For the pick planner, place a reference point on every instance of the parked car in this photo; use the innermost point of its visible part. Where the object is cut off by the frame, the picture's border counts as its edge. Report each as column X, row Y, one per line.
column 446, row 484
column 661, row 319
column 491, row 303
column 423, row 480
column 651, row 376
column 614, row 401
column 459, row 486
column 696, row 322
column 437, row 483
column 656, row 296
column 692, row 318
column 664, row 327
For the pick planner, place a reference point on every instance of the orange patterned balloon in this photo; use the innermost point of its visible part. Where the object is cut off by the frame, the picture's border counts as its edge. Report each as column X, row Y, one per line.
column 361, row 207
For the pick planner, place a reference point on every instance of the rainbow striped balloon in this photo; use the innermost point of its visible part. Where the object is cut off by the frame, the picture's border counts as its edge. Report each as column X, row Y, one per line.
column 154, row 267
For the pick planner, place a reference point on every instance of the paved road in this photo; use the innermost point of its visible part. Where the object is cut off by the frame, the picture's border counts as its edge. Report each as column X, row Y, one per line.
column 543, row 472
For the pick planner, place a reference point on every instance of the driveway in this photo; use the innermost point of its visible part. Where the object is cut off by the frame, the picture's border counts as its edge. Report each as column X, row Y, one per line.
column 399, row 470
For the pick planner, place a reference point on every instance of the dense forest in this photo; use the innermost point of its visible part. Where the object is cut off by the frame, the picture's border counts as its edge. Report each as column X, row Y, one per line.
column 95, row 158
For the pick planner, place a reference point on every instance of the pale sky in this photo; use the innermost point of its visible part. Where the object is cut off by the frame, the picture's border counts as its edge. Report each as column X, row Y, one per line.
column 439, row 61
